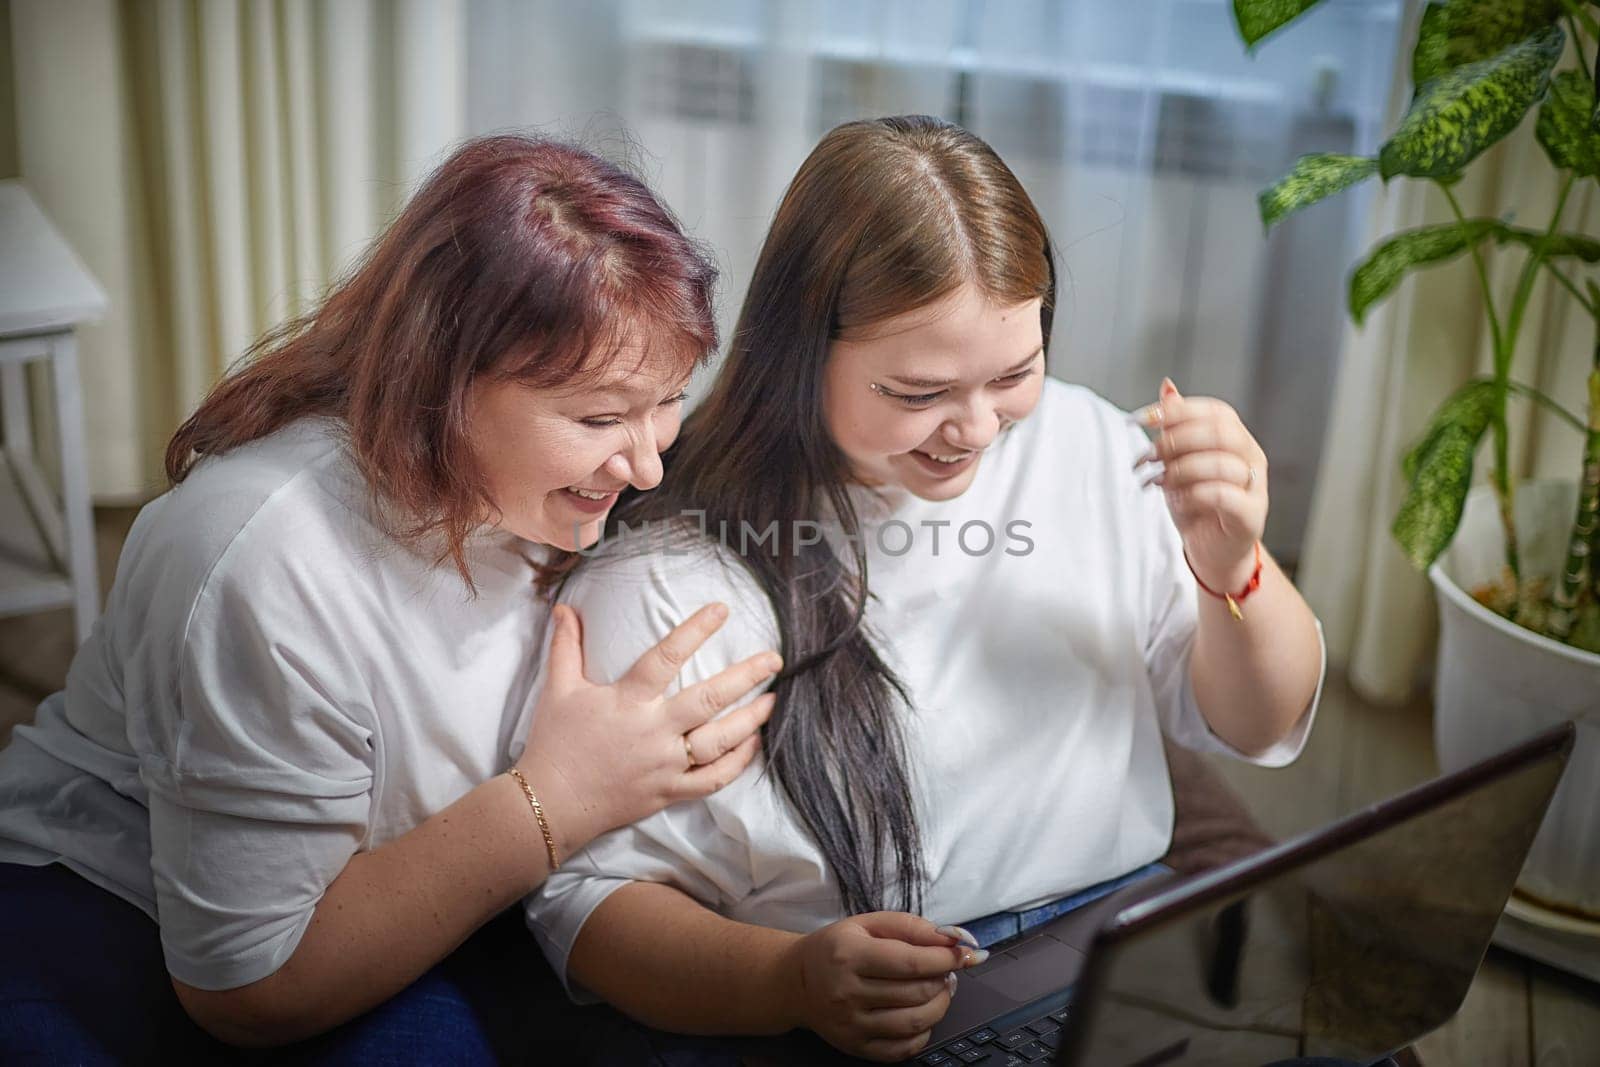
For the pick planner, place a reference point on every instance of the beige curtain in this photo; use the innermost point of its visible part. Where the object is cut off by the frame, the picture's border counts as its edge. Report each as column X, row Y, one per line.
column 1426, row 340
column 216, row 163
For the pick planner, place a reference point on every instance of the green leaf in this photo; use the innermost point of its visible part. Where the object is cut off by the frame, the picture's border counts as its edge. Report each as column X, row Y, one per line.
column 1462, row 112
column 1439, row 469
column 1457, row 32
column 1555, row 244
column 1431, row 57
column 1387, row 265
column 1565, row 127
column 1258, row 18
column 1313, row 178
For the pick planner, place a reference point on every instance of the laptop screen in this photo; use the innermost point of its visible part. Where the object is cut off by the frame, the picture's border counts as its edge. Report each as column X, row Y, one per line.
column 1354, row 954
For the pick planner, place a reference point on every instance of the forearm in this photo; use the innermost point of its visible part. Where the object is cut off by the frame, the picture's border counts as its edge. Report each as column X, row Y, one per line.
column 669, row 962
column 1254, row 677
column 388, row 917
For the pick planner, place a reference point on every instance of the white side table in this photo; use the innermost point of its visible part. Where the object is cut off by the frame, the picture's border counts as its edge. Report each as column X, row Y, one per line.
column 47, row 553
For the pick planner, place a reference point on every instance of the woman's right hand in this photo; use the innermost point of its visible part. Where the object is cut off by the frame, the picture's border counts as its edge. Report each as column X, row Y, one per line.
column 603, row 756
column 874, row 985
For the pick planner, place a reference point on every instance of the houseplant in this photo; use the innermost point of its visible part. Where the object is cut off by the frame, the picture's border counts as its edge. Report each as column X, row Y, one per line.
column 1520, row 620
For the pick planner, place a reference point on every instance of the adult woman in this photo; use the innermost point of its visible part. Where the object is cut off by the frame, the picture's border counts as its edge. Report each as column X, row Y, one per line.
column 989, row 620
column 288, row 736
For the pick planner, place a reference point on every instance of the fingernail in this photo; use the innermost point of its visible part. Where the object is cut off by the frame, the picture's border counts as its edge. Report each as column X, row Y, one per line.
column 959, row 934
column 719, row 611
column 773, row 664
column 974, row 956
column 1167, row 386
column 950, row 980
column 1148, row 416
column 1154, row 475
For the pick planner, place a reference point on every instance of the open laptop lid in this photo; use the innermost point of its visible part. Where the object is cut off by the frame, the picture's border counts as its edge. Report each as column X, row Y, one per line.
column 1351, row 941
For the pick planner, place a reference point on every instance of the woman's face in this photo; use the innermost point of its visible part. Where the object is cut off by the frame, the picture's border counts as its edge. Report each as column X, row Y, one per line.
column 555, row 459
column 916, row 399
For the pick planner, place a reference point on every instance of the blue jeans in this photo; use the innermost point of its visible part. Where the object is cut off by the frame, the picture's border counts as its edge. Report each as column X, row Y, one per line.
column 1003, row 924
column 82, row 980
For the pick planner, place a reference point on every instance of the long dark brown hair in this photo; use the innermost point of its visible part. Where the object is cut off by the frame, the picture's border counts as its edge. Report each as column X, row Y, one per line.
column 519, row 258
column 883, row 218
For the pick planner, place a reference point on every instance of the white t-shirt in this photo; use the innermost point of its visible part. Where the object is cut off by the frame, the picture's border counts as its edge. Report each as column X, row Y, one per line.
column 1042, row 663
column 275, row 685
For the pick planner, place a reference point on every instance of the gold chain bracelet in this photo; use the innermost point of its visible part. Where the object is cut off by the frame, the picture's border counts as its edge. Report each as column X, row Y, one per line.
column 538, row 813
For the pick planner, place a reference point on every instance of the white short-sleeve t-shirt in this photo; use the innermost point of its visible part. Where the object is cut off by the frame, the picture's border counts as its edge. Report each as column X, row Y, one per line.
column 274, row 686
column 1042, row 623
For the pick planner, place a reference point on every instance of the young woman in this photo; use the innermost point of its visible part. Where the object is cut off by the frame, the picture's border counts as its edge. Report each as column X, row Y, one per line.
column 287, row 741
column 989, row 619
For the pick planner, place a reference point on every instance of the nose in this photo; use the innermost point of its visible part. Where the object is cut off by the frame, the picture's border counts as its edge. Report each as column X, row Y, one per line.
column 974, row 429
column 640, row 463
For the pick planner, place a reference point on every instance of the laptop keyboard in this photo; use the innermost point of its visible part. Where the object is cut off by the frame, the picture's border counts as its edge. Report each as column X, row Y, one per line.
column 1013, row 1047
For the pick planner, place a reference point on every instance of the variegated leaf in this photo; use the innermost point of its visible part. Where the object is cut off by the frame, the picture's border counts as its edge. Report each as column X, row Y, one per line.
column 1565, row 127
column 1313, row 178
column 1439, row 469
column 1456, row 32
column 1554, row 245
column 1462, row 112
column 1387, row 265
column 1258, row 18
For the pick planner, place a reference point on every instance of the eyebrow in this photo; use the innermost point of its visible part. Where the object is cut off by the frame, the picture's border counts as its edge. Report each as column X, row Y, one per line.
column 940, row 383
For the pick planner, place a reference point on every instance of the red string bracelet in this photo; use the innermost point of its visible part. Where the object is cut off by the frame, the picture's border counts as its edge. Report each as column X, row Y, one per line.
column 1233, row 599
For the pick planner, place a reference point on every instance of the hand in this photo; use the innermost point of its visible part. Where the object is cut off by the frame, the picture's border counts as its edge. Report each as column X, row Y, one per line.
column 875, row 985
column 603, row 756
column 1215, row 479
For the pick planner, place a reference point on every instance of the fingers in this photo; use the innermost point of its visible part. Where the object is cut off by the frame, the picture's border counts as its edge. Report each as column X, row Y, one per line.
column 707, row 778
column 565, row 661
column 700, row 703
column 909, row 947
column 887, row 993
column 716, row 739
column 1205, row 435
column 1198, row 467
column 656, row 669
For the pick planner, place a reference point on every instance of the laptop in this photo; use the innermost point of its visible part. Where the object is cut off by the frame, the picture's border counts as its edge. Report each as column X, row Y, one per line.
column 1349, row 942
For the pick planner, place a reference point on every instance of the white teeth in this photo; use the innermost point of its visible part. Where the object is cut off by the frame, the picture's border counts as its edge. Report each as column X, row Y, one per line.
column 587, row 494
column 947, row 459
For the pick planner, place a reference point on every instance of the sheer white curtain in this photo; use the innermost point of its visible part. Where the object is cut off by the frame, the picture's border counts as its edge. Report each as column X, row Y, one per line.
column 1141, row 129
column 216, row 164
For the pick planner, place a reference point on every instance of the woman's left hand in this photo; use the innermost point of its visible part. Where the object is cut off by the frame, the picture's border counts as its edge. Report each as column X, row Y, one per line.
column 1215, row 480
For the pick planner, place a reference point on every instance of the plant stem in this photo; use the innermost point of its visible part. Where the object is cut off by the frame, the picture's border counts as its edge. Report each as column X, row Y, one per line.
column 1540, row 398
column 1578, row 571
column 1499, row 475
column 1577, row 44
column 1566, row 283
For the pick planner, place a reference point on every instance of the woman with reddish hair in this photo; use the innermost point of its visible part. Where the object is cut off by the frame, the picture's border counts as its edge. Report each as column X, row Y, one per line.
column 298, row 766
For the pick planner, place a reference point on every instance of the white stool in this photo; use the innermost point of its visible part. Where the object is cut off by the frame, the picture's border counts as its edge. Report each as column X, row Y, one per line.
column 47, row 551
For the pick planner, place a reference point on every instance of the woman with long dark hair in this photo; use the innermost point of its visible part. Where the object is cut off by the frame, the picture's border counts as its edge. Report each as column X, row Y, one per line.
column 299, row 761
column 993, row 594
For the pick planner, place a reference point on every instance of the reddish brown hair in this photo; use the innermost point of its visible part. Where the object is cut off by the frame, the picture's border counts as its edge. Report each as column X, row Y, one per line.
column 518, row 258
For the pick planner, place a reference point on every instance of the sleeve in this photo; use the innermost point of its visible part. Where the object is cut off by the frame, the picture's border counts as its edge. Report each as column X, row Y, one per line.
column 627, row 606
column 259, row 776
column 1172, row 615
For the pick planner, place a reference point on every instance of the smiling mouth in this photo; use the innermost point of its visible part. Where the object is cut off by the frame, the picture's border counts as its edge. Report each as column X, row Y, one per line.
column 590, row 494
column 953, row 457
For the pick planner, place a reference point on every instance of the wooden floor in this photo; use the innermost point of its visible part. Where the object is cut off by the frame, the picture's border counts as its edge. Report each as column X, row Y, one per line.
column 1518, row 1014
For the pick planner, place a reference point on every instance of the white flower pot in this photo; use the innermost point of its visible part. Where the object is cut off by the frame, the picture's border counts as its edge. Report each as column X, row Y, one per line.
column 1498, row 683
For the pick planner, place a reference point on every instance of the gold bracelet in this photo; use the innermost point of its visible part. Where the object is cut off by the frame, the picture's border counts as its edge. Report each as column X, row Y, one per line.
column 538, row 813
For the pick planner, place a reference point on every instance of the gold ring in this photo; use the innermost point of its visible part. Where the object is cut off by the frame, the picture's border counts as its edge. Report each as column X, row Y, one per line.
column 688, row 750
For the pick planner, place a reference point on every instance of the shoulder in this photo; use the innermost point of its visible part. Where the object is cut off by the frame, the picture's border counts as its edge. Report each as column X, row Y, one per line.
column 280, row 523
column 639, row 587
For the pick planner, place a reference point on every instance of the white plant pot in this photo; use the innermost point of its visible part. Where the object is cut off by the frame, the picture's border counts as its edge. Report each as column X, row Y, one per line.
column 1498, row 683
